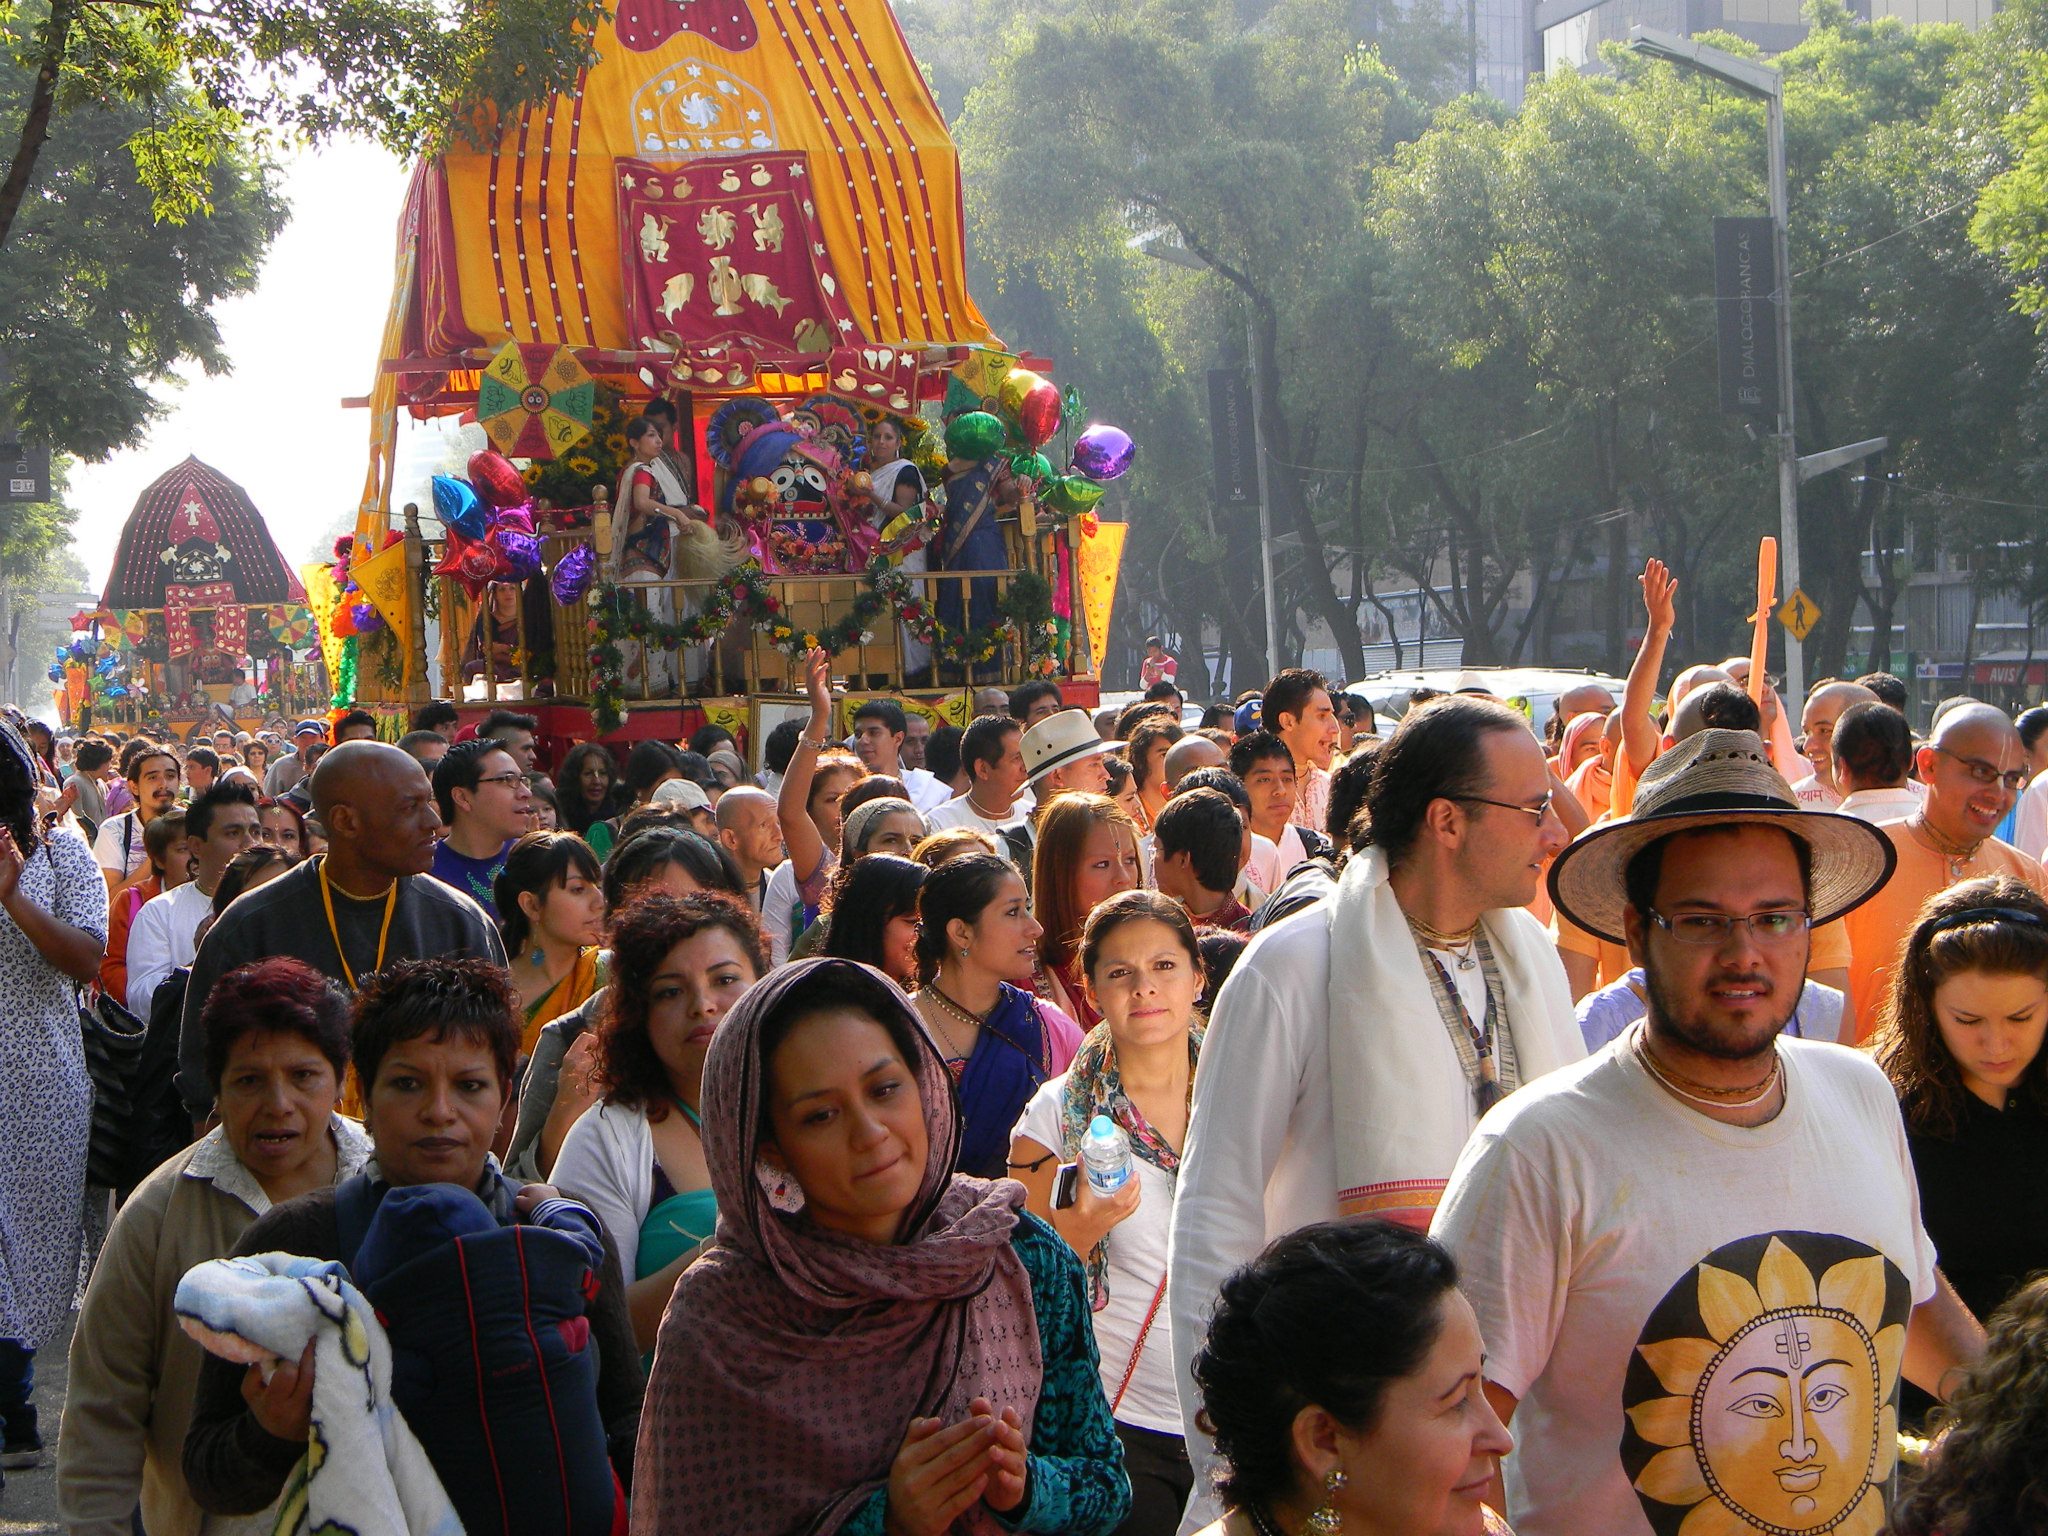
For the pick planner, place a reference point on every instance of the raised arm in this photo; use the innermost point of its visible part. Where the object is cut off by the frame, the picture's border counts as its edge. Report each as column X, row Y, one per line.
column 1639, row 735
column 793, row 799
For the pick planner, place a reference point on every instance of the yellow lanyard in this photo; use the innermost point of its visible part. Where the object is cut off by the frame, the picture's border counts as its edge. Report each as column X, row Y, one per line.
column 384, row 933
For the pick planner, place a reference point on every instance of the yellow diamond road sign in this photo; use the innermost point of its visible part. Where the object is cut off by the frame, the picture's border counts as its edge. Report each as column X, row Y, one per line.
column 1798, row 613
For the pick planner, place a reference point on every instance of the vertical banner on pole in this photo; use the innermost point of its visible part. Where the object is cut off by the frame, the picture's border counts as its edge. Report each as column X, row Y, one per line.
column 1233, row 448
column 1100, row 555
column 1746, row 311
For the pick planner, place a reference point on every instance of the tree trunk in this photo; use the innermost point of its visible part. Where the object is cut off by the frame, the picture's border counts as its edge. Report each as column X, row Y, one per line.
column 42, row 105
column 1285, row 480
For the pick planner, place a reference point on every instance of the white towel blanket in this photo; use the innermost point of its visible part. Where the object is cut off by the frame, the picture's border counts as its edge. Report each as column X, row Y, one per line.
column 1400, row 1102
column 363, row 1473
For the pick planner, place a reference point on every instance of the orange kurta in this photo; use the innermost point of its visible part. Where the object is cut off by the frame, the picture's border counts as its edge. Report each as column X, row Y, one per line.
column 1878, row 928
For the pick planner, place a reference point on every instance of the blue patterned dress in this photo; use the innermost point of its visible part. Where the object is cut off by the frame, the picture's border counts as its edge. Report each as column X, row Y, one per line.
column 45, row 1097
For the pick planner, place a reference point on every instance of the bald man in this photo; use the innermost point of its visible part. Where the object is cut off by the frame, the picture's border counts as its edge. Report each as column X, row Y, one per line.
column 1188, row 754
column 751, row 832
column 1973, row 766
column 1580, row 699
column 1819, row 791
column 363, row 904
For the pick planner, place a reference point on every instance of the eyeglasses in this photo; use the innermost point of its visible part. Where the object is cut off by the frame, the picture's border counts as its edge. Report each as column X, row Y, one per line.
column 1539, row 811
column 502, row 778
column 1987, row 773
column 1716, row 928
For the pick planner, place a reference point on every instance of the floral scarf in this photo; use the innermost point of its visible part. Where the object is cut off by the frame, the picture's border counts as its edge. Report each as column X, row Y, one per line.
column 1095, row 1087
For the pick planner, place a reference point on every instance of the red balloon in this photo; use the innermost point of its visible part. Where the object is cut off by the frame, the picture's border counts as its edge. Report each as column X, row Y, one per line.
column 473, row 564
column 1039, row 415
column 495, row 479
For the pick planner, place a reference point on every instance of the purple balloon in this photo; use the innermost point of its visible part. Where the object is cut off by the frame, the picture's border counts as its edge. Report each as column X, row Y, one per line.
column 367, row 619
column 521, row 551
column 1104, row 452
column 573, row 573
column 518, row 519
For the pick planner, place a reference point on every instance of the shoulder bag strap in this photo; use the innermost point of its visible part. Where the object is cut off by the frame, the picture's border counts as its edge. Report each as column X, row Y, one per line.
column 1137, row 1349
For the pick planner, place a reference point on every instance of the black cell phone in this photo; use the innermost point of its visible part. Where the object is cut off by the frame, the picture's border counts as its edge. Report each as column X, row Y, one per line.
column 1066, row 1185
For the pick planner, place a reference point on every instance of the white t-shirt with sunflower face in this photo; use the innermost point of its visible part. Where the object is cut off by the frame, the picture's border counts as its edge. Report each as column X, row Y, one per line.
column 1703, row 1324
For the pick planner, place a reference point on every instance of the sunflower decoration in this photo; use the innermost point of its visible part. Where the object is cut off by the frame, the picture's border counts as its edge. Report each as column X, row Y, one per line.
column 1762, row 1394
column 565, row 482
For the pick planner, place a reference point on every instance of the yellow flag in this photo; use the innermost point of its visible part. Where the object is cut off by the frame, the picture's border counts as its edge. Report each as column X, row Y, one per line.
column 385, row 581
column 1100, row 555
column 321, row 600
column 728, row 717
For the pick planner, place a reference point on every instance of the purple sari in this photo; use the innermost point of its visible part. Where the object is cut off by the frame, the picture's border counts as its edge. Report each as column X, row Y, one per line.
column 1009, row 1063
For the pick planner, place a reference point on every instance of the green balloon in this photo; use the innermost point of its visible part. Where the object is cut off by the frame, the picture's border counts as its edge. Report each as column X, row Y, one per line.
column 1073, row 494
column 976, row 435
column 1031, row 466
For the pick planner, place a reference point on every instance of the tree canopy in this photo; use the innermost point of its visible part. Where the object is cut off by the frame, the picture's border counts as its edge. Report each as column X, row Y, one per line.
column 1485, row 338
column 100, row 300
column 404, row 73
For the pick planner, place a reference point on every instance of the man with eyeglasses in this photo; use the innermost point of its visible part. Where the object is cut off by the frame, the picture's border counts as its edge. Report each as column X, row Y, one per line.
column 1974, row 768
column 1697, row 1257
column 1603, row 979
column 1358, row 1042
column 487, row 803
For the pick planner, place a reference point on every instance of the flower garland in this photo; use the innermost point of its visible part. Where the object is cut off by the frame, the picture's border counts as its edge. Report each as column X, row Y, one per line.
column 746, row 594
column 345, row 675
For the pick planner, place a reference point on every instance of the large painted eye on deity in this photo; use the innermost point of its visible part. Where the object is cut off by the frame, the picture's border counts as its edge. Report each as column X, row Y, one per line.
column 1762, row 1393
column 785, row 478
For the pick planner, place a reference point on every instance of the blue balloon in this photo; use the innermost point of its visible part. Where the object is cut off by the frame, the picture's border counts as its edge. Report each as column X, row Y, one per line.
column 458, row 506
column 56, row 674
column 107, row 665
column 117, row 691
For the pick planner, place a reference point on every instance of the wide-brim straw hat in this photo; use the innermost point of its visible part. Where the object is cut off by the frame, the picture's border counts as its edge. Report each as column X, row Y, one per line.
column 1060, row 739
column 1717, row 779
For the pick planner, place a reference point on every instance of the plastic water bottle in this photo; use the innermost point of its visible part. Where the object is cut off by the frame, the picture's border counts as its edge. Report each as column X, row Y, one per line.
column 1106, row 1155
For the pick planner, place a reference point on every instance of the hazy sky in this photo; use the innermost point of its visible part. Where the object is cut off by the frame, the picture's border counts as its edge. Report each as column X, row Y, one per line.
column 302, row 341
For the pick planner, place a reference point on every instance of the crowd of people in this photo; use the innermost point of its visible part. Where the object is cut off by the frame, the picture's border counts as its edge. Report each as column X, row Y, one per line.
column 1633, row 1120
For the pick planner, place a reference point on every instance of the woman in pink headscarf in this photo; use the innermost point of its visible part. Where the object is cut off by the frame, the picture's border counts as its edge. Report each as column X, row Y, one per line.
column 1592, row 781
column 874, row 1342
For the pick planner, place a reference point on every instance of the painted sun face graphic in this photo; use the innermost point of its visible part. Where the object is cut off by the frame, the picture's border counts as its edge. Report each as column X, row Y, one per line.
column 1776, row 1412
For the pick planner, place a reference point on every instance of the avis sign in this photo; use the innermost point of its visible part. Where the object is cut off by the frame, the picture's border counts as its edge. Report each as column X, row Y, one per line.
column 1746, row 314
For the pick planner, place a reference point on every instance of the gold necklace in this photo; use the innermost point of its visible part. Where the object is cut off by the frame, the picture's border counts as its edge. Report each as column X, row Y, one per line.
column 1770, row 1083
column 1673, row 1075
column 1457, row 945
column 959, row 1011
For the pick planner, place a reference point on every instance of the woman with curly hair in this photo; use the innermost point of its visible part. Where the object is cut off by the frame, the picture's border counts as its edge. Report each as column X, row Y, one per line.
column 590, row 790
column 635, row 1157
column 1985, row 1474
column 1960, row 1038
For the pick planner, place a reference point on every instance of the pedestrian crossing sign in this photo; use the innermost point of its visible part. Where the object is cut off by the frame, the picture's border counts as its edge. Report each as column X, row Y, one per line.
column 1798, row 613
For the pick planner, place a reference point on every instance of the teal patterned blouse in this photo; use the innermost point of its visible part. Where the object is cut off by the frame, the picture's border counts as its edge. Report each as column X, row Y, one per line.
column 1075, row 1470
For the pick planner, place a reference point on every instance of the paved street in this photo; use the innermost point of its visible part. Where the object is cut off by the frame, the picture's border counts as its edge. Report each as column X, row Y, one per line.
column 28, row 1505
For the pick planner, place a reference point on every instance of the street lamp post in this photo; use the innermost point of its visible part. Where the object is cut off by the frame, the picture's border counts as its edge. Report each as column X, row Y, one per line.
column 1754, row 79
column 1160, row 245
